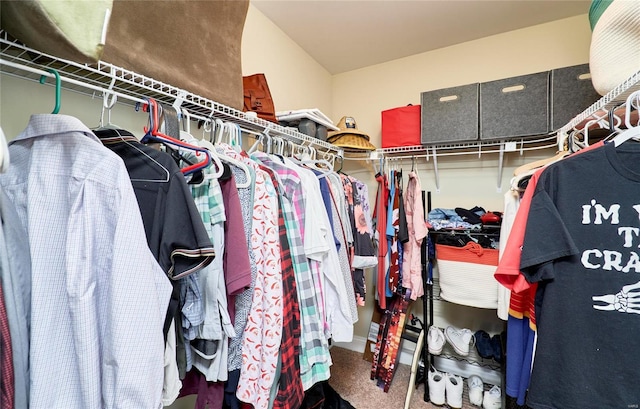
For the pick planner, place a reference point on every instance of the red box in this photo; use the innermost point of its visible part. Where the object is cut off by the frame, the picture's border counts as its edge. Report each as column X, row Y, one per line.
column 401, row 126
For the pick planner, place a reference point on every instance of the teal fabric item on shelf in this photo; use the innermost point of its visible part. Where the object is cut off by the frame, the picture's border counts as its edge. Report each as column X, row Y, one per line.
column 595, row 11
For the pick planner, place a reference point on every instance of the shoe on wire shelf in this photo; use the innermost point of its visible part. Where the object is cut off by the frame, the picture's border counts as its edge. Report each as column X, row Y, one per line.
column 436, row 383
column 476, row 389
column 492, row 398
column 454, row 389
column 435, row 340
column 460, row 339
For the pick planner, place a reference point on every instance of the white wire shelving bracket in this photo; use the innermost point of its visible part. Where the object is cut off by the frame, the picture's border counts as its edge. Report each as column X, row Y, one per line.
column 433, row 152
column 557, row 139
column 23, row 62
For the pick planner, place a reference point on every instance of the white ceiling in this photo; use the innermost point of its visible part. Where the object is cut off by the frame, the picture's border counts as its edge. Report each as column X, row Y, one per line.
column 347, row 35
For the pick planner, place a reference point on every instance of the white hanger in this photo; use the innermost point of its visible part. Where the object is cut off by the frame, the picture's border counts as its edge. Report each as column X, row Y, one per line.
column 217, row 134
column 4, row 153
column 631, row 132
column 313, row 163
column 107, row 105
column 236, row 143
column 185, row 135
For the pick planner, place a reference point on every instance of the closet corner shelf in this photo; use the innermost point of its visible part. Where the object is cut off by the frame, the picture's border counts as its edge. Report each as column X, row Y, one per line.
column 23, row 62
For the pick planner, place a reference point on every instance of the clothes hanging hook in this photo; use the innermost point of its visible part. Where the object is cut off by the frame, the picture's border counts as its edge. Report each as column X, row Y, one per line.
column 58, row 86
column 186, row 120
column 107, row 104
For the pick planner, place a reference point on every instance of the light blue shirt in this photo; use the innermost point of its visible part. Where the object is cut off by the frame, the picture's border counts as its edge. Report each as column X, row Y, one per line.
column 99, row 298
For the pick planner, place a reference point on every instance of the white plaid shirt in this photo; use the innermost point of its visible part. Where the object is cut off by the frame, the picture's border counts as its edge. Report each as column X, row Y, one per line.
column 99, row 298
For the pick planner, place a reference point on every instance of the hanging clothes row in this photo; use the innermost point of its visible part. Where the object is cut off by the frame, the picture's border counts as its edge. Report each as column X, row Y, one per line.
column 227, row 280
column 569, row 263
column 400, row 229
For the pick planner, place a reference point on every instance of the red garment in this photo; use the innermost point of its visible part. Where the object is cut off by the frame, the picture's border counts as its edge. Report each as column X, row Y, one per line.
column 237, row 273
column 380, row 210
column 209, row 393
column 523, row 293
column 7, row 382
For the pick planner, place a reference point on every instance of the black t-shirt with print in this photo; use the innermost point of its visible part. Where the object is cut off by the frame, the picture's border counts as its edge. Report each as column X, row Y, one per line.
column 582, row 244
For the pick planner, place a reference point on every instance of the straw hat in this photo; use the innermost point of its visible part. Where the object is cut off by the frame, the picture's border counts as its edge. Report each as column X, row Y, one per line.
column 349, row 137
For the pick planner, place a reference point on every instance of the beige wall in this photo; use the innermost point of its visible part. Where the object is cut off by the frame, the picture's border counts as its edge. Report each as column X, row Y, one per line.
column 296, row 80
column 464, row 181
column 366, row 92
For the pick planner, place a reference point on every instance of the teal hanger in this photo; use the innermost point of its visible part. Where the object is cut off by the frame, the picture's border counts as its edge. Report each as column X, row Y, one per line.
column 43, row 78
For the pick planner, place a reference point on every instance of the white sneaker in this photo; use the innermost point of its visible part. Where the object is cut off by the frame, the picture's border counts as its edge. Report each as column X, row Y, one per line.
column 460, row 339
column 492, row 398
column 454, row 391
column 435, row 340
column 476, row 388
column 436, row 386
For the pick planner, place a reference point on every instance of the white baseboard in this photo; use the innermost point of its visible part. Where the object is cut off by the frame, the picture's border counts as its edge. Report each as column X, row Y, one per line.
column 462, row 368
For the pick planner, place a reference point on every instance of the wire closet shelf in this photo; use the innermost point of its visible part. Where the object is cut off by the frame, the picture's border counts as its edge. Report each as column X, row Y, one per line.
column 20, row 61
column 555, row 139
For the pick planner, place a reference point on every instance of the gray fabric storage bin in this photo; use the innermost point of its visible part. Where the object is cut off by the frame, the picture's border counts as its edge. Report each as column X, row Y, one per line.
column 450, row 115
column 520, row 112
column 570, row 94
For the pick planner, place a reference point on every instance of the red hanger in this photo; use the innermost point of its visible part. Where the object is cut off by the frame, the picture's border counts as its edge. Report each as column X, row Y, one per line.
column 153, row 134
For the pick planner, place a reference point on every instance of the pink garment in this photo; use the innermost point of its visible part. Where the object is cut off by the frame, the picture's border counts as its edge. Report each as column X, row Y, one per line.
column 411, row 269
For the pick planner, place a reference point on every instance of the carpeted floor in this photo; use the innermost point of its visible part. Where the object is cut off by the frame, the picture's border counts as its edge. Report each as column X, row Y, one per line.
column 350, row 377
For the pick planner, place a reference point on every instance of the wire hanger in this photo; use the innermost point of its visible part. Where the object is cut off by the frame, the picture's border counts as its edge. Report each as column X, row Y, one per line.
column 153, row 134
column 167, row 174
column 58, row 86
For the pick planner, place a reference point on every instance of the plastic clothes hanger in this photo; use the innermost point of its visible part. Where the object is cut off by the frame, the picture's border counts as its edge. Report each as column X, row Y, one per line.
column 4, row 153
column 153, row 134
column 632, row 132
column 313, row 163
column 217, row 134
column 235, row 139
column 107, row 105
column 185, row 135
column 58, row 86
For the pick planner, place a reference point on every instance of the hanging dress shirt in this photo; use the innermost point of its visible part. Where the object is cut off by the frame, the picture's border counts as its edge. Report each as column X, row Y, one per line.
column 99, row 297
column 15, row 276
